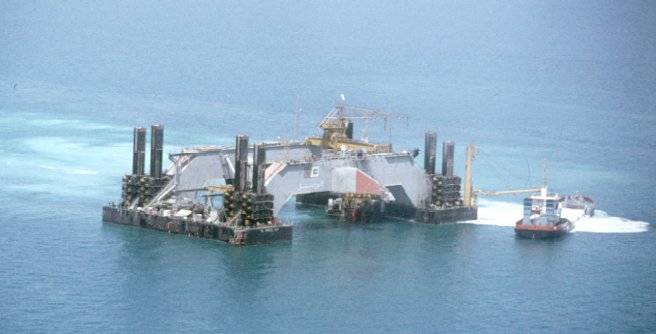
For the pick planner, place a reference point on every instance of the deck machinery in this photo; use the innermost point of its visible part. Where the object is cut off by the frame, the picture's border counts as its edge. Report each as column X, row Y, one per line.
column 214, row 192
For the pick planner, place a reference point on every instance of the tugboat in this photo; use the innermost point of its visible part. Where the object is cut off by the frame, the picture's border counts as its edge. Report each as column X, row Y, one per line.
column 547, row 223
column 542, row 215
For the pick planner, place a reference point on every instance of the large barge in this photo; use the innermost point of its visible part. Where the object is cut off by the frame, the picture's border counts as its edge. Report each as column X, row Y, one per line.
column 215, row 193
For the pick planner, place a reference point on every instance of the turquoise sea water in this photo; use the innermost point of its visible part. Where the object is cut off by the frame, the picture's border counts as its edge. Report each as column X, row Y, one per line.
column 572, row 82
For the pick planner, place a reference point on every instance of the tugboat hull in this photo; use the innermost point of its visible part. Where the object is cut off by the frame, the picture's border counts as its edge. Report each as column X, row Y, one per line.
column 543, row 232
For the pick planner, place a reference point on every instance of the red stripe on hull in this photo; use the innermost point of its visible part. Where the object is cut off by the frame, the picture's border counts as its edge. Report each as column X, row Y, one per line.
column 542, row 232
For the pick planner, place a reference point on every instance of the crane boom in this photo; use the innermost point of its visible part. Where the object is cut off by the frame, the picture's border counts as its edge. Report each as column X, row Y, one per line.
column 506, row 192
column 337, row 126
column 343, row 112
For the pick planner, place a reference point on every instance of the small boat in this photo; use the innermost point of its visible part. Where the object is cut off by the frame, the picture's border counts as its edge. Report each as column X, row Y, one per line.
column 545, row 222
column 355, row 207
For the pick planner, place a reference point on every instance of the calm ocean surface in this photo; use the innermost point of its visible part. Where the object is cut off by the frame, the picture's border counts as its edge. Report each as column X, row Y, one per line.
column 572, row 82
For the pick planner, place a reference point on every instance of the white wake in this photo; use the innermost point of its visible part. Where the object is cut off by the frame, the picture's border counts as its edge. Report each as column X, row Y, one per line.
column 506, row 214
column 71, row 170
column 82, row 172
column 601, row 222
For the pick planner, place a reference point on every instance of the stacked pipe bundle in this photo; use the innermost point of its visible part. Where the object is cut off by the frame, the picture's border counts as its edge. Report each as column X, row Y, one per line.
column 254, row 205
column 446, row 190
column 138, row 186
column 446, row 187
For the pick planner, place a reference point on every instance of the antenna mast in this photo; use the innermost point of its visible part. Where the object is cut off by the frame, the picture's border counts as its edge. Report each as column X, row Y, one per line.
column 298, row 111
column 544, row 178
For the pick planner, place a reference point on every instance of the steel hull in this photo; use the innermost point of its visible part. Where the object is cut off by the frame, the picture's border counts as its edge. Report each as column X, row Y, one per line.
column 543, row 232
column 200, row 229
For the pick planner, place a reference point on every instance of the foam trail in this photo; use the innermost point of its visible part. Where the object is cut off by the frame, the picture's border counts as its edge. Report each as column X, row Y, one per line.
column 82, row 172
column 602, row 223
column 506, row 214
column 497, row 213
column 72, row 171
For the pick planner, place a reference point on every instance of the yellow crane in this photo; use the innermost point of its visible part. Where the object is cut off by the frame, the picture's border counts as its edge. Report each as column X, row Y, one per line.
column 337, row 128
